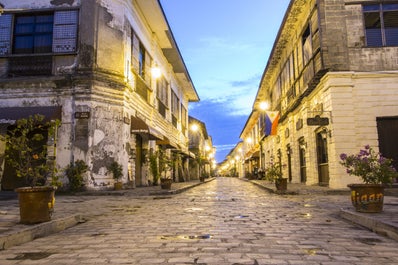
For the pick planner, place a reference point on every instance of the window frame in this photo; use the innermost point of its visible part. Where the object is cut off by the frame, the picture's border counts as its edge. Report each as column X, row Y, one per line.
column 380, row 9
column 32, row 33
column 67, row 44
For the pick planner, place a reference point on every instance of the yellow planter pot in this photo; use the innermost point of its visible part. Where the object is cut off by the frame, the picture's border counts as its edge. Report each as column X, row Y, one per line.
column 36, row 204
column 367, row 198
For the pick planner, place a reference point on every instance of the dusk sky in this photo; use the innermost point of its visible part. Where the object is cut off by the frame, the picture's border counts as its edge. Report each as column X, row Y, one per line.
column 225, row 45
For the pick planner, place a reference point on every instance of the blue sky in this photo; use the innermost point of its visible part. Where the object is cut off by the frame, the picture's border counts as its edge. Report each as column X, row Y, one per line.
column 225, row 45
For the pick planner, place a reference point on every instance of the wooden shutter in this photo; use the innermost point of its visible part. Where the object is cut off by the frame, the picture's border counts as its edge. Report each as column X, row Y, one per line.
column 5, row 34
column 135, row 43
column 65, row 31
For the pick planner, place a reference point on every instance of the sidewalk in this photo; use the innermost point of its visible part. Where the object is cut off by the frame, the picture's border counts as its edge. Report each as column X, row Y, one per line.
column 65, row 216
column 384, row 223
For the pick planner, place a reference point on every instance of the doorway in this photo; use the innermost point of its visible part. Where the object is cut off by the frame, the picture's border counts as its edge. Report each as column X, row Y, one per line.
column 138, row 160
column 387, row 130
column 322, row 158
column 303, row 166
column 289, row 161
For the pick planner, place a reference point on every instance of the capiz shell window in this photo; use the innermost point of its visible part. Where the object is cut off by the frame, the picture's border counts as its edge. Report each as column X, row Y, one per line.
column 50, row 32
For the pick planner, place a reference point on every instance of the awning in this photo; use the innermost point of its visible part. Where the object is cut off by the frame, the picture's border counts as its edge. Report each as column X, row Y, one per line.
column 167, row 144
column 10, row 115
column 138, row 126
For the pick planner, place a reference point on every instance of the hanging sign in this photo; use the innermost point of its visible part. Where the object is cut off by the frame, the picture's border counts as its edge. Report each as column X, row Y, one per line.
column 317, row 121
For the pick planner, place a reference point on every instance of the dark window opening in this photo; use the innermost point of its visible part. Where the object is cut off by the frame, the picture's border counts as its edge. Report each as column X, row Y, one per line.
column 381, row 25
column 33, row 34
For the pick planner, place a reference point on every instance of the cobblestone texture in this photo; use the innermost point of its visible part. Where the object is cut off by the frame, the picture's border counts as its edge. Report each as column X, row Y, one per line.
column 225, row 221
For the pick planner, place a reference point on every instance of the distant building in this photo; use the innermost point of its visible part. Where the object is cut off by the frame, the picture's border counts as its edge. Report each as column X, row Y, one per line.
column 111, row 72
column 332, row 78
column 201, row 149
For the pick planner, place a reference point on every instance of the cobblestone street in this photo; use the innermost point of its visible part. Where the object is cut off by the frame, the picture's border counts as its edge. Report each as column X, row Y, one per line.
column 225, row 221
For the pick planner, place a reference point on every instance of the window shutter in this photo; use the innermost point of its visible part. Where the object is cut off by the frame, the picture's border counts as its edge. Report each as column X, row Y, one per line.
column 5, row 34
column 135, row 52
column 65, row 31
column 147, row 69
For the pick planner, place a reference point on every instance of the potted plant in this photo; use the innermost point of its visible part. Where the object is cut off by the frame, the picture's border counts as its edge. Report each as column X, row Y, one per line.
column 164, row 169
column 273, row 173
column 117, row 172
column 375, row 171
column 75, row 173
column 153, row 165
column 26, row 152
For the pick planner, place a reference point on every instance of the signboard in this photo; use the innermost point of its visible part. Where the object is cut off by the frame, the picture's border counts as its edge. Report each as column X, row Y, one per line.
column 82, row 115
column 317, row 121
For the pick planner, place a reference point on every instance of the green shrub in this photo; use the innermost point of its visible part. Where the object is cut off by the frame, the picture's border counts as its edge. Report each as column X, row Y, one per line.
column 75, row 174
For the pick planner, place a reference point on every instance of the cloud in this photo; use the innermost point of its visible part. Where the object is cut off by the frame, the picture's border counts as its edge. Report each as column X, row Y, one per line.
column 224, row 128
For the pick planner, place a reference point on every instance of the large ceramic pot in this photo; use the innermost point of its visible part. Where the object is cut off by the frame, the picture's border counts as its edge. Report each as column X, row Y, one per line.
column 118, row 186
column 165, row 183
column 36, row 204
column 367, row 198
column 281, row 184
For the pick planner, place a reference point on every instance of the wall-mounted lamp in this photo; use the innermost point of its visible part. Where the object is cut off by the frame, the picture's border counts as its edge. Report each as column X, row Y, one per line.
column 194, row 127
column 325, row 133
column 302, row 143
column 264, row 105
column 156, row 72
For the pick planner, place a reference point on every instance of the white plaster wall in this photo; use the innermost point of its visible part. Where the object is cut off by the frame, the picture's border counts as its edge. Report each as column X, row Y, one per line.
column 35, row 4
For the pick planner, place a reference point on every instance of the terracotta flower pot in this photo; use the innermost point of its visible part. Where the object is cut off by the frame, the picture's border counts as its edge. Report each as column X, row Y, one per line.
column 281, row 184
column 165, row 184
column 367, row 198
column 118, row 186
column 36, row 204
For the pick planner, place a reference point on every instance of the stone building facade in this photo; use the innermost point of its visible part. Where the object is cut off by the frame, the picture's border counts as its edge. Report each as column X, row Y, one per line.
column 332, row 76
column 90, row 64
column 201, row 149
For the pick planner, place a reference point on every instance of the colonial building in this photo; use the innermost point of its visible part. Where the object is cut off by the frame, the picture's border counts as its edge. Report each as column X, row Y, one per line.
column 110, row 70
column 201, row 149
column 332, row 78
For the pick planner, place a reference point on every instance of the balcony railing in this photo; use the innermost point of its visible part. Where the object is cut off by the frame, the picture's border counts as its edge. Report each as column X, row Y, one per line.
column 29, row 66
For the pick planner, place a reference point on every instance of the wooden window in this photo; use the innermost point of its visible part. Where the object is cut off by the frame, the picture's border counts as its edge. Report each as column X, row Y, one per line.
column 38, row 33
column 184, row 118
column 162, row 95
column 381, row 24
column 33, row 33
column 140, row 58
column 175, row 108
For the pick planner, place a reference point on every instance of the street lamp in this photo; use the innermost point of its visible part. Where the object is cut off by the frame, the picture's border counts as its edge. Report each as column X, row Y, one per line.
column 264, row 105
column 156, row 72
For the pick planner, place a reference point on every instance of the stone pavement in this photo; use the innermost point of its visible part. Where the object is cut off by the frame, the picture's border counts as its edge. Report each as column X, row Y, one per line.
column 75, row 209
column 224, row 221
column 385, row 223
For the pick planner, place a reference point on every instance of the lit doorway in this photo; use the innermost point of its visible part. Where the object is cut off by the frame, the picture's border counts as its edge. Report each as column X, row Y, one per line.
column 322, row 157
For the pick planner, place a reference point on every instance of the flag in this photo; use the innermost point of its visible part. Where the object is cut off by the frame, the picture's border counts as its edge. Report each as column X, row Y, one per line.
column 271, row 122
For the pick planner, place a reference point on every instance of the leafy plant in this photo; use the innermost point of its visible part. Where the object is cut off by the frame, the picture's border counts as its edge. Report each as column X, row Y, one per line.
column 75, row 174
column 165, row 163
column 273, row 172
column 153, row 164
column 369, row 165
column 116, row 169
column 26, row 149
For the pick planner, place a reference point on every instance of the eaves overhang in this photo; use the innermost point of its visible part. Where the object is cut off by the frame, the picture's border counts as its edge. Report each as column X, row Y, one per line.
column 157, row 21
column 287, row 29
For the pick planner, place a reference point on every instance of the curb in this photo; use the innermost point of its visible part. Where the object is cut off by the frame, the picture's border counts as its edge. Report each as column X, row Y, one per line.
column 39, row 230
column 380, row 227
column 180, row 190
column 271, row 190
